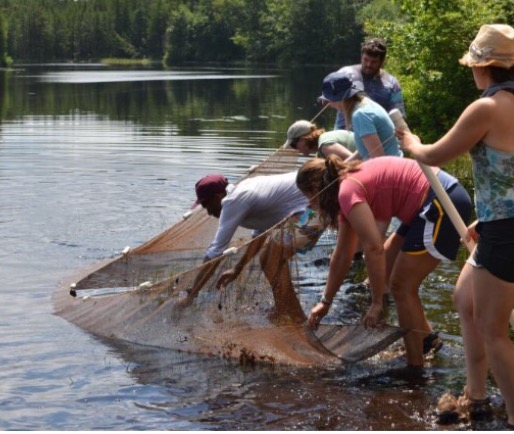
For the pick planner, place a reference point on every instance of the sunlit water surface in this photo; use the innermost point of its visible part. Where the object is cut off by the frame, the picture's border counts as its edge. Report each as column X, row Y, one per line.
column 77, row 188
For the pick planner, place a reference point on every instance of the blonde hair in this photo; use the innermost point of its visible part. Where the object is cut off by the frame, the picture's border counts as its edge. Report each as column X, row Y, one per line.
column 321, row 177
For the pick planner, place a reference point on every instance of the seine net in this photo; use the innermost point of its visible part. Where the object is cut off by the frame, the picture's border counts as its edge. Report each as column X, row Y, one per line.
column 161, row 294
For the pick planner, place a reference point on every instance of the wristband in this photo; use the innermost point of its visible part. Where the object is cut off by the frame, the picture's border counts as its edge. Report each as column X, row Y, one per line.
column 325, row 301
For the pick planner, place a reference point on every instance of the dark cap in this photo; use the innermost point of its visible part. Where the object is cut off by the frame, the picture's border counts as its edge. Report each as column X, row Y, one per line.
column 210, row 186
column 340, row 86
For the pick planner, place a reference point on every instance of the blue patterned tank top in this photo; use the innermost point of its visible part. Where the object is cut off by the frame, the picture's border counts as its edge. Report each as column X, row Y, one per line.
column 493, row 174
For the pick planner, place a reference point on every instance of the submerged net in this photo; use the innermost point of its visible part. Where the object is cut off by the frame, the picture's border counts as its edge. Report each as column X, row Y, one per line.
column 161, row 294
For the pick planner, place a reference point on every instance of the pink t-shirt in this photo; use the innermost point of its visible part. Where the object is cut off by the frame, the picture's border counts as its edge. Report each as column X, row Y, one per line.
column 392, row 186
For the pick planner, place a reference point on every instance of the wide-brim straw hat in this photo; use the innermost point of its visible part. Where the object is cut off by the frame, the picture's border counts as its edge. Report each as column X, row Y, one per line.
column 493, row 46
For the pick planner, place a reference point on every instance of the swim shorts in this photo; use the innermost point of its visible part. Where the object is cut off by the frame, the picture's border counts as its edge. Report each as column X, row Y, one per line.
column 432, row 230
column 495, row 248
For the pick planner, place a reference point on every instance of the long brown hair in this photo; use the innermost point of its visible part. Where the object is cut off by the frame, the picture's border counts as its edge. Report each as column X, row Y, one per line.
column 320, row 177
column 349, row 106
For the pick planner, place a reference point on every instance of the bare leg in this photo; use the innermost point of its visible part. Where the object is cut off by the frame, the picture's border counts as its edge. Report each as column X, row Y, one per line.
column 494, row 301
column 275, row 264
column 407, row 274
column 392, row 247
column 474, row 350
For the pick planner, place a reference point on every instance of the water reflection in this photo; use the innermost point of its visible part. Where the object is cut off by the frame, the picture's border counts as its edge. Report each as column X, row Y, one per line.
column 117, row 77
column 262, row 100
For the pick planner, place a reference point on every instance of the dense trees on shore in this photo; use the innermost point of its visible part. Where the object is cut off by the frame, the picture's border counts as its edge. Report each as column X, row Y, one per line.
column 297, row 31
column 425, row 38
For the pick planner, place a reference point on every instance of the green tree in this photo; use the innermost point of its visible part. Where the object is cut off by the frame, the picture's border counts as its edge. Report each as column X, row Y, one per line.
column 4, row 58
column 156, row 28
column 425, row 43
column 180, row 36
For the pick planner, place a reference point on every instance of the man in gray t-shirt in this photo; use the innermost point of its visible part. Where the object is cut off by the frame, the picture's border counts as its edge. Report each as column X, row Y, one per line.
column 379, row 85
column 256, row 203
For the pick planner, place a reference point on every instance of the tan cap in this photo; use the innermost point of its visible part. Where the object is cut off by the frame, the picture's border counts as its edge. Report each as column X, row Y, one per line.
column 298, row 129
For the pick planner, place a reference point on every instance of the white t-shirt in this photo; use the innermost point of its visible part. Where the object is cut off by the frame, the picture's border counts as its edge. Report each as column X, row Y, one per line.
column 256, row 203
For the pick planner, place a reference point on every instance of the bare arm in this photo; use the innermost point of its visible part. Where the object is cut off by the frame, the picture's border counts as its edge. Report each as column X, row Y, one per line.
column 340, row 263
column 362, row 220
column 471, row 127
column 231, row 274
column 335, row 149
column 373, row 145
column 201, row 279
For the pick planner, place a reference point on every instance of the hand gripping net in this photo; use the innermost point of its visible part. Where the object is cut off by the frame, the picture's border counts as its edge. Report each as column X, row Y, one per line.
column 161, row 294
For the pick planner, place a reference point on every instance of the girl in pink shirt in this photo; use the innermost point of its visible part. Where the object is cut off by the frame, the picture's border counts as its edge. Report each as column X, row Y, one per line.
column 355, row 198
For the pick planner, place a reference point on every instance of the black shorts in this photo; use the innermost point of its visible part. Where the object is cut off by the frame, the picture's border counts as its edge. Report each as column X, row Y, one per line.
column 432, row 230
column 495, row 248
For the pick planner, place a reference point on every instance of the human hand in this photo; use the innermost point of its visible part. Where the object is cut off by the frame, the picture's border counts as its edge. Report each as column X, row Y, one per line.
column 184, row 302
column 226, row 278
column 471, row 233
column 373, row 317
column 406, row 139
column 317, row 314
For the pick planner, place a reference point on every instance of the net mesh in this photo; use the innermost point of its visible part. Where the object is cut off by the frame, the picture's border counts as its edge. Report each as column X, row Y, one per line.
column 161, row 294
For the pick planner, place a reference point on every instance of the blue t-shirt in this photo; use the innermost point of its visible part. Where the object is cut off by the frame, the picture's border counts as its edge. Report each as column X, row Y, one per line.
column 370, row 118
column 383, row 88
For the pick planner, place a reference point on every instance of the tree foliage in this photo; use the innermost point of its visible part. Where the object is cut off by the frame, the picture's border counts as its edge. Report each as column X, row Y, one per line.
column 424, row 47
column 4, row 58
column 277, row 31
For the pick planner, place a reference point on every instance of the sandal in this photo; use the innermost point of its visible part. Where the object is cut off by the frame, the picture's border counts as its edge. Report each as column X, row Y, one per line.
column 432, row 343
column 480, row 409
column 477, row 409
column 447, row 410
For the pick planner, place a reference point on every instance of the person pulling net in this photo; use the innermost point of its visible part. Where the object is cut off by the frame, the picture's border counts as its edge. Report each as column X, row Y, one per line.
column 189, row 305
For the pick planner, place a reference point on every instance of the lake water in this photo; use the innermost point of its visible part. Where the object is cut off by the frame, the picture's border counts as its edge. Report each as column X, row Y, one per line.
column 93, row 159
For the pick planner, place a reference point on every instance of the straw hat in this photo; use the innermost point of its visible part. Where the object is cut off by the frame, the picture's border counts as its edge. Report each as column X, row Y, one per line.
column 493, row 46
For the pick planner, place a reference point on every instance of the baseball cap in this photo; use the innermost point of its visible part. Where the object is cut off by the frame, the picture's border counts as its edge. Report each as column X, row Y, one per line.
column 298, row 129
column 209, row 186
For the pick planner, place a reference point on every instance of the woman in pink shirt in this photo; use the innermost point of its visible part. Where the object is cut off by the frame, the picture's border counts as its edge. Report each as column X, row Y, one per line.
column 355, row 197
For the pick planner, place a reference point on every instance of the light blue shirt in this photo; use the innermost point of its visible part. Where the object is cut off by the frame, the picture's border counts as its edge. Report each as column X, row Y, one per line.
column 371, row 118
column 256, row 203
column 383, row 88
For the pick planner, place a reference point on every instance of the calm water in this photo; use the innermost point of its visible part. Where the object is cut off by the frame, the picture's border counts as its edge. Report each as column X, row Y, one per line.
column 94, row 159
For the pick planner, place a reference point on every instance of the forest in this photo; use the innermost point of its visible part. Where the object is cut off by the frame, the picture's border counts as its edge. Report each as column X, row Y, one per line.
column 425, row 38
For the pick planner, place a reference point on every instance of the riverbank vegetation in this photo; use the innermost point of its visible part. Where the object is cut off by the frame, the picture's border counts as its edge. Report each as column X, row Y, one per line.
column 425, row 38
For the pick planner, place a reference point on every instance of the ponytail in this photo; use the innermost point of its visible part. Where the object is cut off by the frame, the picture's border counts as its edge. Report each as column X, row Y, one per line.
column 321, row 178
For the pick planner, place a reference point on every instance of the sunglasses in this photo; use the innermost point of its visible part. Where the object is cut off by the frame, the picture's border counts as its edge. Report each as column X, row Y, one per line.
column 374, row 44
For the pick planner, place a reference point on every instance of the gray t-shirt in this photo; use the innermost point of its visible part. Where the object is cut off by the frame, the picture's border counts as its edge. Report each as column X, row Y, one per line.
column 256, row 203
